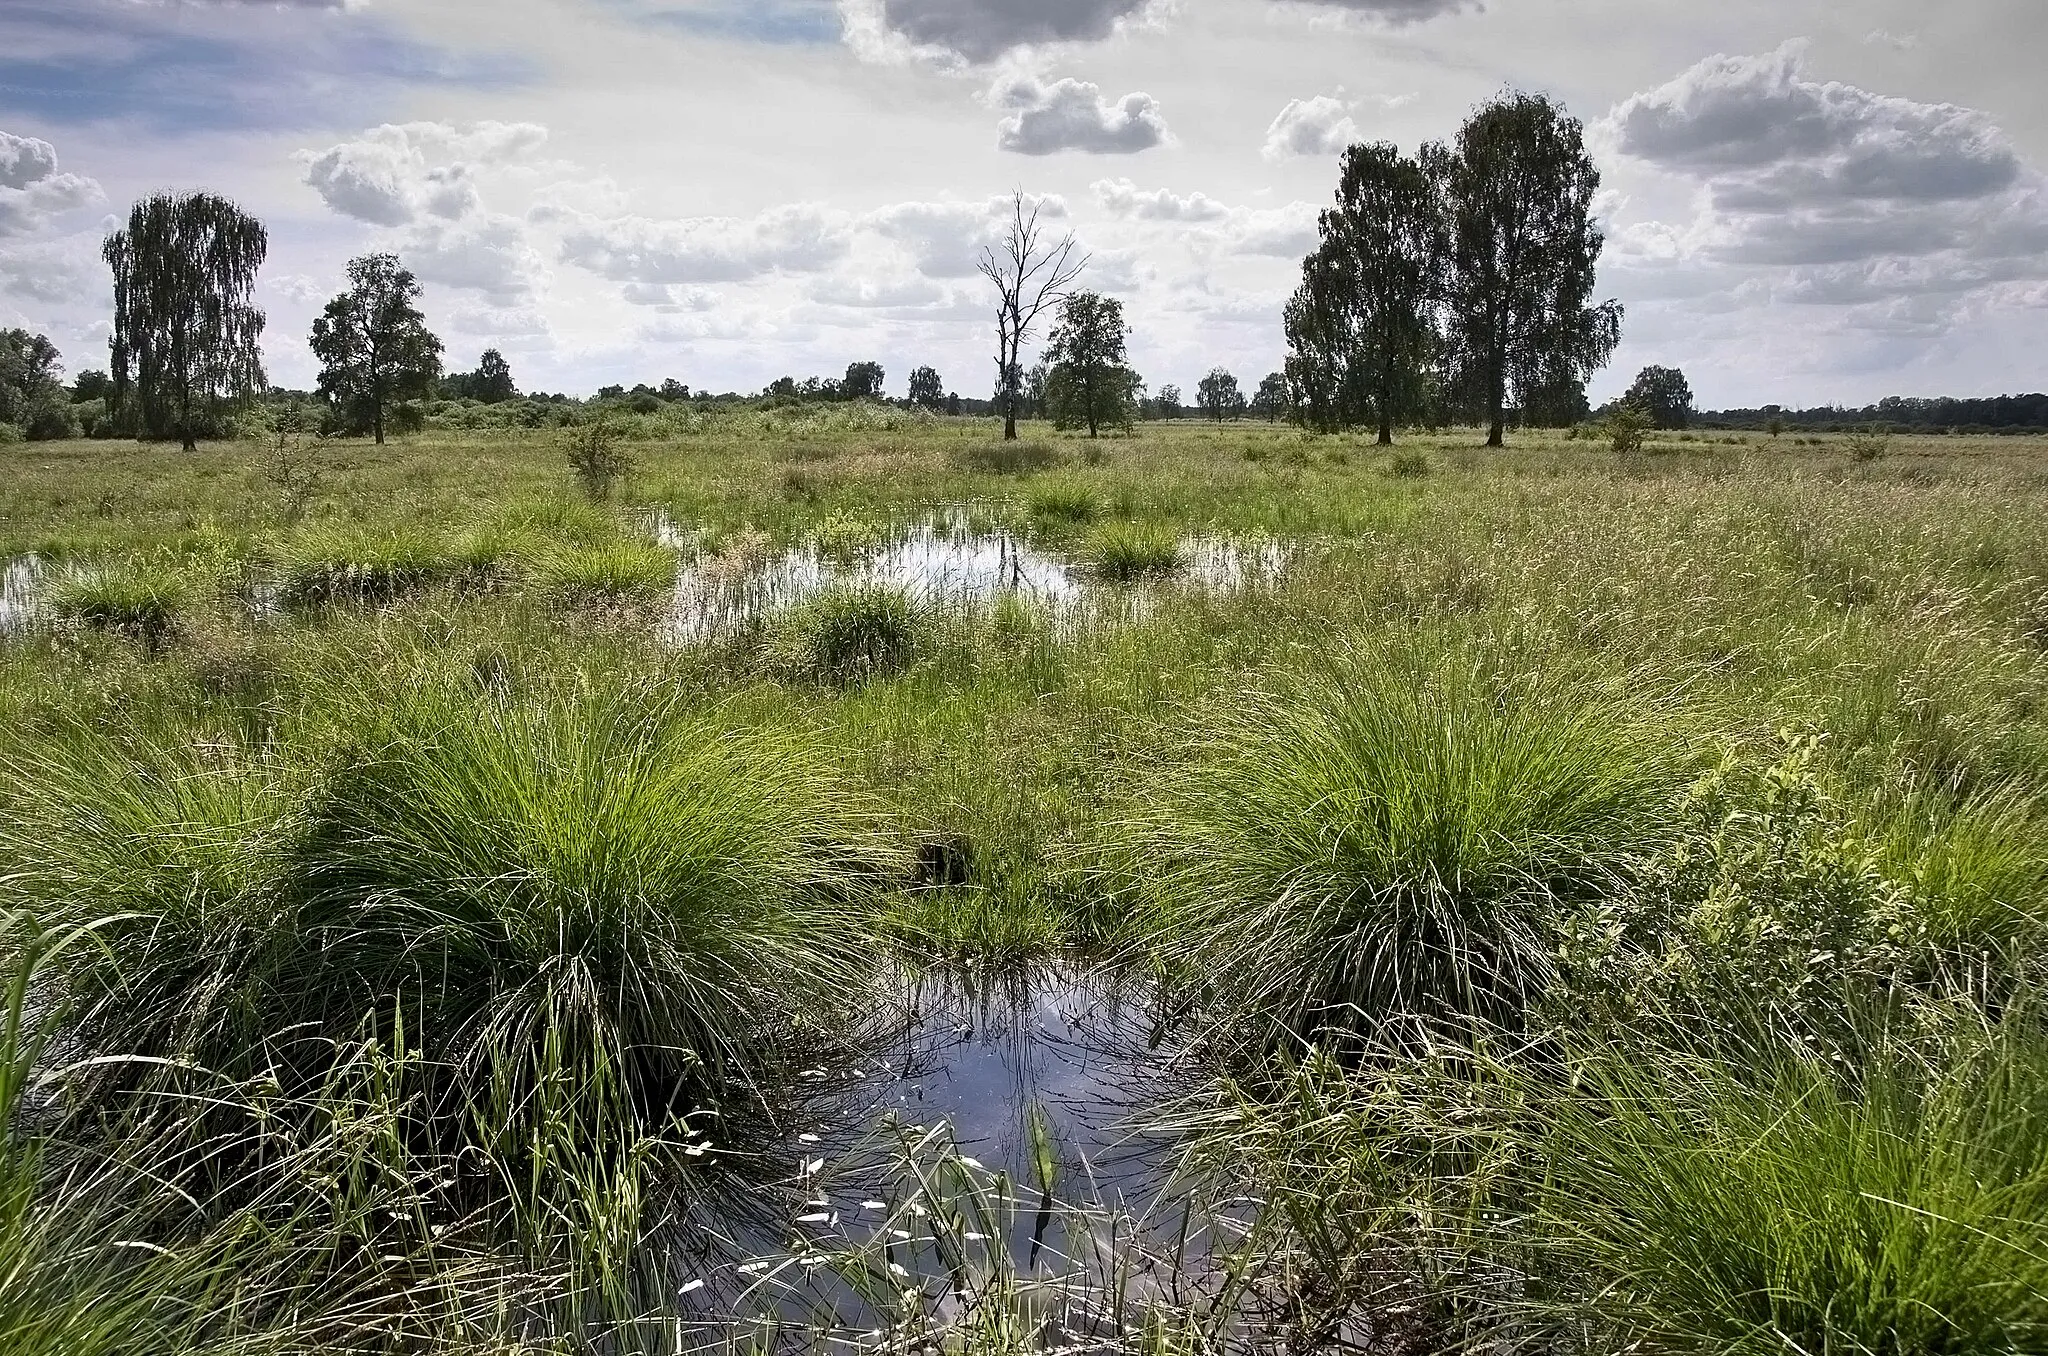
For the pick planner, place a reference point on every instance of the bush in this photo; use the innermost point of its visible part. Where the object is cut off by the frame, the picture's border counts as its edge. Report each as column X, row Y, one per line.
column 1006, row 458
column 1626, row 429
column 50, row 421
column 1395, row 837
column 136, row 599
column 1864, row 448
column 353, row 565
column 10, row 434
column 1126, row 551
column 849, row 635
column 596, row 458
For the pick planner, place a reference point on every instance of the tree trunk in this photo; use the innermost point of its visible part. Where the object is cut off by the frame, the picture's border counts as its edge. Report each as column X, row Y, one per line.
column 377, row 422
column 1009, row 422
column 1386, row 431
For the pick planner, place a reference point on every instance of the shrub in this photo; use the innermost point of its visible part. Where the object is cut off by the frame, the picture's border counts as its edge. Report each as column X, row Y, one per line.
column 1626, row 429
column 357, row 565
column 134, row 599
column 849, row 634
column 10, row 434
column 1864, row 448
column 1394, row 837
column 1006, row 458
column 597, row 458
column 1694, row 1207
column 1126, row 551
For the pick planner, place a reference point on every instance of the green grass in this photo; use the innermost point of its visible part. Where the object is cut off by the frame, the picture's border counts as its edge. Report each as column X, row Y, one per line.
column 1127, row 551
column 136, row 598
column 613, row 572
column 358, row 565
column 1698, row 1208
column 849, row 634
column 1392, row 837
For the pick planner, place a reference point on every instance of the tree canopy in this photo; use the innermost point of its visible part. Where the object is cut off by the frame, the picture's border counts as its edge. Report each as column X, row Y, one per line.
column 186, row 346
column 1089, row 383
column 863, row 382
column 1219, row 397
column 374, row 346
column 926, row 390
column 1030, row 274
column 33, row 400
column 1664, row 395
column 1518, row 316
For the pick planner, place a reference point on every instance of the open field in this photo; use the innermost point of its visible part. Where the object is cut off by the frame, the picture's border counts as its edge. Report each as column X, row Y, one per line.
column 1546, row 901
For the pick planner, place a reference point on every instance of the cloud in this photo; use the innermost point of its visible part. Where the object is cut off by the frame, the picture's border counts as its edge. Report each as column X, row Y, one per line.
column 1902, row 42
column 31, row 189
column 945, row 239
column 1070, row 115
column 489, row 254
column 51, row 274
column 1773, row 135
column 1318, row 126
column 1396, row 13
column 1122, row 198
column 799, row 238
column 396, row 174
column 1822, row 193
column 952, row 32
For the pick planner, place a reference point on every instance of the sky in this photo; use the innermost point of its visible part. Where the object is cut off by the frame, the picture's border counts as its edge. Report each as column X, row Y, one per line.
column 1805, row 201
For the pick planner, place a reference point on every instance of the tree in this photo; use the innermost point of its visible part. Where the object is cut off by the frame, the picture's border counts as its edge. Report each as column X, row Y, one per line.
column 187, row 340
column 1037, row 381
column 92, row 385
column 1090, row 383
column 1169, row 401
column 494, row 378
column 926, row 390
column 1218, row 396
column 1664, row 394
column 1029, row 275
column 1271, row 398
column 374, row 346
column 1363, row 319
column 863, row 382
column 1518, row 187
column 32, row 398
column 673, row 390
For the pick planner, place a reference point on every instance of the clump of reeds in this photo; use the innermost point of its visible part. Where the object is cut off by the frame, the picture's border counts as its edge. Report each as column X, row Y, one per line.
column 1392, row 837
column 1066, row 503
column 849, row 634
column 1127, row 551
column 1016, row 458
column 133, row 599
column 355, row 565
column 617, row 571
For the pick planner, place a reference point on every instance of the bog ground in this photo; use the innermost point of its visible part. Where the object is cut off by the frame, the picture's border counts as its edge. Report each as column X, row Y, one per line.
column 865, row 884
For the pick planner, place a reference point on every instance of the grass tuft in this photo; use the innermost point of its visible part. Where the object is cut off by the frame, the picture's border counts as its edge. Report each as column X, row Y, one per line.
column 357, row 565
column 132, row 599
column 1126, row 551
column 849, row 635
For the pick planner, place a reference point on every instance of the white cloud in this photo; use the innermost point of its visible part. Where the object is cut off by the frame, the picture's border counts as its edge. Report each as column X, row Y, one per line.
column 397, row 173
column 1318, row 126
column 1395, row 13
column 799, row 238
column 32, row 191
column 1122, row 198
column 489, row 254
column 51, row 274
column 1071, row 115
column 945, row 239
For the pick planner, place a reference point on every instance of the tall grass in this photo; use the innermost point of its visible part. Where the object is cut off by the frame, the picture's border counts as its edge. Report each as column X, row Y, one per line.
column 849, row 634
column 1693, row 1206
column 1126, row 551
column 133, row 599
column 357, row 565
column 1392, row 836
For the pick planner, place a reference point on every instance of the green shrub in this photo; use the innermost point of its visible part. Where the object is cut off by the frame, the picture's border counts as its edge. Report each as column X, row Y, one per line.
column 136, row 598
column 1693, row 1206
column 849, row 634
column 1006, row 458
column 1393, row 837
column 357, row 565
column 1126, row 551
column 1627, row 428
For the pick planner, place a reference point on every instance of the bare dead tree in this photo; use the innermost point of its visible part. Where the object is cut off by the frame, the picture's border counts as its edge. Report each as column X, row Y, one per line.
column 1030, row 274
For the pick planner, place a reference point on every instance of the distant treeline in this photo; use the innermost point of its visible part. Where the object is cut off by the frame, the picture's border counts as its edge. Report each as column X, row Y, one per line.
column 1942, row 414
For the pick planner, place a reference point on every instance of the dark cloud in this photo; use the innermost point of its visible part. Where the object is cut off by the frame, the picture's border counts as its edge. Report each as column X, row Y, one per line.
column 1396, row 12
column 983, row 30
column 1071, row 115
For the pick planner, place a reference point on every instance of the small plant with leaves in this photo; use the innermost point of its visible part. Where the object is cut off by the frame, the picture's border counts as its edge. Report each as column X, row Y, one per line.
column 1867, row 447
column 291, row 473
column 596, row 457
column 1626, row 430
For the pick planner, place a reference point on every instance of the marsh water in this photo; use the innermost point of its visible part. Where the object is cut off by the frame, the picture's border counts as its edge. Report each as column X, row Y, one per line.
column 21, row 593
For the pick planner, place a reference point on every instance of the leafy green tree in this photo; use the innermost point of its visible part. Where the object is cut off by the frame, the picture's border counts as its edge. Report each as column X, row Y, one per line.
column 1219, row 397
column 673, row 390
column 863, row 382
column 1090, row 383
column 1518, row 187
column 1664, row 394
column 374, row 346
column 1168, row 401
column 33, row 400
column 1271, row 399
column 1363, row 320
column 187, row 342
column 926, row 390
column 494, row 378
column 92, row 385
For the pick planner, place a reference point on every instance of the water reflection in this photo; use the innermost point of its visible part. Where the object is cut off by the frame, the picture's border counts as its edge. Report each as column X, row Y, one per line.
column 21, row 594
